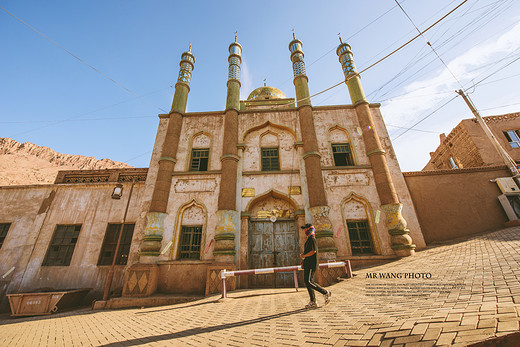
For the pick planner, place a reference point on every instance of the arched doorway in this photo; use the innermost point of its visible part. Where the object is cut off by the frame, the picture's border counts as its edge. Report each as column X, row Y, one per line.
column 273, row 239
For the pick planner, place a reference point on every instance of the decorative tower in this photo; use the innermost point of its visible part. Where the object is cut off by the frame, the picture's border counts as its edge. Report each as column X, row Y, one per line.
column 319, row 208
column 390, row 204
column 227, row 214
column 151, row 245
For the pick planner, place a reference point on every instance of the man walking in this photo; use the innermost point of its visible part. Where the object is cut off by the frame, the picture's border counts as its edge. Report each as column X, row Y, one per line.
column 310, row 266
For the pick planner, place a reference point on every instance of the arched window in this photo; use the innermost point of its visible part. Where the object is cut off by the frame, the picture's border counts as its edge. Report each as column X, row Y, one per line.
column 199, row 158
column 342, row 153
column 356, row 214
column 190, row 229
column 269, row 151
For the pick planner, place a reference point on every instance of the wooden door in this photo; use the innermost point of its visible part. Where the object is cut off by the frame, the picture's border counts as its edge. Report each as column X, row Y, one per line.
column 273, row 245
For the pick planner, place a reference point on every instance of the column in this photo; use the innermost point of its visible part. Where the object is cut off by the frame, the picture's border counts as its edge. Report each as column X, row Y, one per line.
column 228, row 217
column 319, row 208
column 390, row 204
column 151, row 245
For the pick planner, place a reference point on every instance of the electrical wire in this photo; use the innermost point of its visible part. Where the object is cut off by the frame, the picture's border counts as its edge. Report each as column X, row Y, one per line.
column 474, row 23
column 82, row 61
column 374, row 64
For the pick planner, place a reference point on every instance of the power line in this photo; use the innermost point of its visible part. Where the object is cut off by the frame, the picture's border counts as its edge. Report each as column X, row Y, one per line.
column 82, row 61
column 422, row 69
column 426, row 117
column 428, row 43
column 377, row 62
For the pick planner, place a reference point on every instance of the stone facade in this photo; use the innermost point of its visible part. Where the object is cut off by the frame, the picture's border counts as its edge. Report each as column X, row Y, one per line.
column 188, row 224
column 468, row 146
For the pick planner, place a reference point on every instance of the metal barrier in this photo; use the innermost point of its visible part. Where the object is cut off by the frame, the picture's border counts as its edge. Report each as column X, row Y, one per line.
column 224, row 274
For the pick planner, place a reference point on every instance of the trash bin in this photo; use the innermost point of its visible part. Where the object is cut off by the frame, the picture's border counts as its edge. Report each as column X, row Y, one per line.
column 32, row 304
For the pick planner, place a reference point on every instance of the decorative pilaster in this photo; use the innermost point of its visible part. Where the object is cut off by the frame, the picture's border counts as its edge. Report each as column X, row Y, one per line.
column 317, row 197
column 228, row 216
column 390, row 204
column 151, row 245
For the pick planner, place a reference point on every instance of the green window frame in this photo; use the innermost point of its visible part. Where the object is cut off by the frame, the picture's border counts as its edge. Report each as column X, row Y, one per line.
column 108, row 249
column 4, row 228
column 270, row 159
column 62, row 245
column 360, row 237
column 190, row 242
column 199, row 159
column 342, row 154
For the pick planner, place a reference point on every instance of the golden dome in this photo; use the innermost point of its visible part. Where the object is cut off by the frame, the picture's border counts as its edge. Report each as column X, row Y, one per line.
column 266, row 93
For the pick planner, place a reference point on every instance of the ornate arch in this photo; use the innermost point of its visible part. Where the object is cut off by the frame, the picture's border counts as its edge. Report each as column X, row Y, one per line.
column 370, row 217
column 179, row 222
column 272, row 193
column 190, row 147
column 266, row 124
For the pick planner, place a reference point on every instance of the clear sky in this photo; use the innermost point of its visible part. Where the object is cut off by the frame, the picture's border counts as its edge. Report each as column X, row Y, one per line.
column 50, row 98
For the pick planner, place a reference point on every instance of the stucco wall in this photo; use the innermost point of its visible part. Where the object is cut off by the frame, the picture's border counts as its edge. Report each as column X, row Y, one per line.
column 32, row 229
column 456, row 203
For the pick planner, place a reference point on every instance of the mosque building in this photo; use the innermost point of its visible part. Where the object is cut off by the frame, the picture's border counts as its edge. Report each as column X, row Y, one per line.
column 224, row 190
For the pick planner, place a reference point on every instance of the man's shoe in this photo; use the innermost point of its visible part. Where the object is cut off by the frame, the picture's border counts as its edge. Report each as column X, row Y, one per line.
column 327, row 297
column 312, row 304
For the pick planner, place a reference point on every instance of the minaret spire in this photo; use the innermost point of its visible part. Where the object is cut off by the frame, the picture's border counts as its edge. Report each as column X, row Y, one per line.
column 319, row 208
column 227, row 214
column 390, row 204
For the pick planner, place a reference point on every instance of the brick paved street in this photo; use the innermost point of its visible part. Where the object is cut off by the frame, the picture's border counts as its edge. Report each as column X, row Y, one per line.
column 473, row 294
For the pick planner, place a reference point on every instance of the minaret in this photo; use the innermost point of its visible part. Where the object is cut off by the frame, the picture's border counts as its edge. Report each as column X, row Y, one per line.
column 151, row 245
column 390, row 204
column 319, row 208
column 227, row 214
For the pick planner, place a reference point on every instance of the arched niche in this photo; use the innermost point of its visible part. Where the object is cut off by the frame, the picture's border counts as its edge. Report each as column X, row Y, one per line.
column 272, row 201
column 269, row 135
column 356, row 209
column 337, row 135
column 191, row 214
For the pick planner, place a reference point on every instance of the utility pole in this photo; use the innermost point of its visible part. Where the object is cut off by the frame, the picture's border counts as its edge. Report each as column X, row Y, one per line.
column 510, row 163
column 120, row 235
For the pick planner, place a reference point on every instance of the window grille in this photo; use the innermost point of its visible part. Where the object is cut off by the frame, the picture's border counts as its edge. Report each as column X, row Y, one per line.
column 360, row 239
column 108, row 249
column 190, row 241
column 270, row 159
column 62, row 245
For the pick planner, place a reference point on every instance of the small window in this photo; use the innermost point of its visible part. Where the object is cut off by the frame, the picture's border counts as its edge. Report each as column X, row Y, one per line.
column 62, row 245
column 199, row 159
column 360, row 239
column 270, row 160
column 342, row 154
column 513, row 137
column 4, row 227
column 190, row 241
column 110, row 242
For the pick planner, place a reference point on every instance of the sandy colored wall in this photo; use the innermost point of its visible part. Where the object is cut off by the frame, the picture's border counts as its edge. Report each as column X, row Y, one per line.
column 456, row 203
column 32, row 228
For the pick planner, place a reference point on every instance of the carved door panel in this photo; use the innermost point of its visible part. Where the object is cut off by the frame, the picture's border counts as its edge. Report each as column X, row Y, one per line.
column 273, row 245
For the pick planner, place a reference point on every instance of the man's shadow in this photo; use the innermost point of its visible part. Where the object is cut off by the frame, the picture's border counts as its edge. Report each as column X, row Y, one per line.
column 196, row 331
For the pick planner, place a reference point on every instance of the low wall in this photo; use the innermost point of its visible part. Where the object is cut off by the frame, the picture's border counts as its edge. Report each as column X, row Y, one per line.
column 456, row 203
column 176, row 277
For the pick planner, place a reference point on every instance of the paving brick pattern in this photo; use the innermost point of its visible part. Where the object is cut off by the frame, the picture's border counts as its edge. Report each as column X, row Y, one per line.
column 473, row 294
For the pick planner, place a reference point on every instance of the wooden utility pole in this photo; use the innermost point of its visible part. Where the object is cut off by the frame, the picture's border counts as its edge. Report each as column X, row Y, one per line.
column 510, row 163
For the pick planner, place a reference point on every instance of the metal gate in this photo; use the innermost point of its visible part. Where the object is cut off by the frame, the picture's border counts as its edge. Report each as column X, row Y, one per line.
column 272, row 245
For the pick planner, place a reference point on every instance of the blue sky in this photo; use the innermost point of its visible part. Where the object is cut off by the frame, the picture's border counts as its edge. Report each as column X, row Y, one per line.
column 51, row 99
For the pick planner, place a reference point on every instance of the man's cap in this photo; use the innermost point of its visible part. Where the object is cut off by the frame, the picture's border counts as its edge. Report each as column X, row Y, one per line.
column 306, row 226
